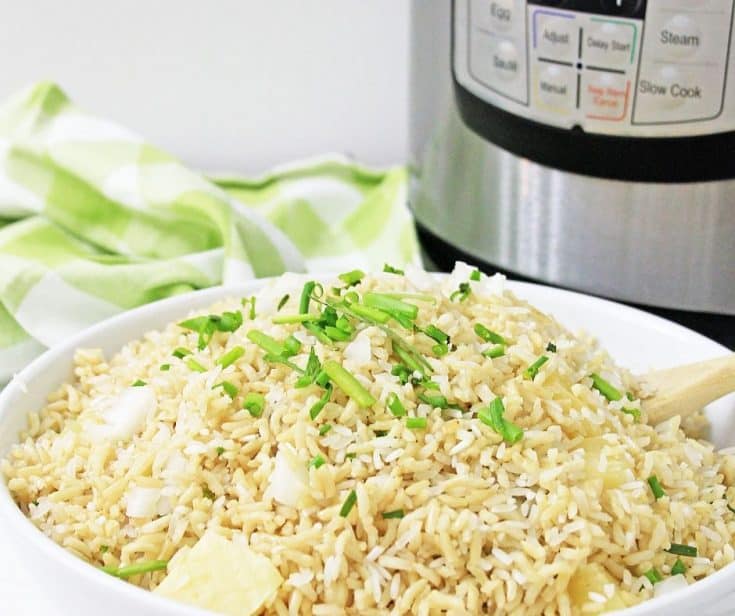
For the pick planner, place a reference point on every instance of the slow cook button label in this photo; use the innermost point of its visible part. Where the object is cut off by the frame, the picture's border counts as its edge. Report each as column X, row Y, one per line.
column 605, row 96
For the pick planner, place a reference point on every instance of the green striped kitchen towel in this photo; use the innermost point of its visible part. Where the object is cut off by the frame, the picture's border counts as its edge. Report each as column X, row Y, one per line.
column 94, row 221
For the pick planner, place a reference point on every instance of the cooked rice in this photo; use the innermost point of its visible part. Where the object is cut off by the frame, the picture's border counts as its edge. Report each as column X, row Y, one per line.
column 489, row 527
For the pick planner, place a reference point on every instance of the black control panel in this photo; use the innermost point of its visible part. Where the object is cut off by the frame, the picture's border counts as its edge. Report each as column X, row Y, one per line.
column 621, row 8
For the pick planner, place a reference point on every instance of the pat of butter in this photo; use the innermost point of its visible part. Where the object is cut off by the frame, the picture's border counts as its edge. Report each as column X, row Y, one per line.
column 221, row 576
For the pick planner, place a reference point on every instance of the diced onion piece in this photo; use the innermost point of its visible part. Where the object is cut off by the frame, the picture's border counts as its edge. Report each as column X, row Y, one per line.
column 142, row 502
column 289, row 481
column 670, row 584
column 359, row 350
column 126, row 414
column 221, row 576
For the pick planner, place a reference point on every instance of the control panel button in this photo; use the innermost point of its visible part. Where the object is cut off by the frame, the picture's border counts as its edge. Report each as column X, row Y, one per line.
column 605, row 96
column 505, row 60
column 680, row 37
column 502, row 14
column 556, row 88
column 556, row 35
column 609, row 43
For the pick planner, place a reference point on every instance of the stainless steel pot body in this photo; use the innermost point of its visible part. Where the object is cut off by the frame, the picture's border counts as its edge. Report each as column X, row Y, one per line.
column 661, row 244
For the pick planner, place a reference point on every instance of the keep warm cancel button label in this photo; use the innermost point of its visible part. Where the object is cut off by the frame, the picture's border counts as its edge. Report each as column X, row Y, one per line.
column 605, row 96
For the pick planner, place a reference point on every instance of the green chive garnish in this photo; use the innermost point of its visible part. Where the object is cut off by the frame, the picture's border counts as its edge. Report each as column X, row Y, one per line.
column 440, row 350
column 402, row 372
column 283, row 301
column 393, row 515
column 231, row 356
column 317, row 461
column 251, row 314
column 653, row 575
column 394, row 405
column 380, row 433
column 531, row 372
column 165, row 367
column 416, row 423
column 306, row 296
column 207, row 493
column 393, row 270
column 475, row 275
column 137, row 569
column 139, row 383
column 373, row 315
column 254, row 403
column 286, row 319
column 551, row 347
column 220, row 450
column 437, row 402
column 494, row 352
column 607, row 390
column 336, row 334
column 408, row 360
column 321, row 403
column 348, row 383
column 104, row 549
column 350, row 456
column 436, row 334
column 193, row 364
column 493, row 416
column 207, row 325
column 462, row 292
column 352, row 278
column 488, row 335
column 181, row 352
column 682, row 550
column 348, row 504
column 658, row 491
column 391, row 305
column 265, row 342
column 228, row 387
column 679, row 567
column 323, row 429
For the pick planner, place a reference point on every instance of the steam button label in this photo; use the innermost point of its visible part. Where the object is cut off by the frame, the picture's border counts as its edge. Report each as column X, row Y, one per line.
column 680, row 37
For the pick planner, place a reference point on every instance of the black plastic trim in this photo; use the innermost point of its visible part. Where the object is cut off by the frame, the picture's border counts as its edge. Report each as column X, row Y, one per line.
column 719, row 327
column 700, row 158
column 635, row 9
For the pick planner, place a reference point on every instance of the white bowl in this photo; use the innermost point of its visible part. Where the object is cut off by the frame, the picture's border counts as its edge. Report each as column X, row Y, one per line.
column 636, row 340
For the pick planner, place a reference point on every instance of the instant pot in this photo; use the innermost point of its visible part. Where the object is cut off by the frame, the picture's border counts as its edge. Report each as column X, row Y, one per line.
column 588, row 144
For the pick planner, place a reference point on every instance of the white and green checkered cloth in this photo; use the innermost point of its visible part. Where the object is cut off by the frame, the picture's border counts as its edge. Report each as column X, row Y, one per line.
column 94, row 221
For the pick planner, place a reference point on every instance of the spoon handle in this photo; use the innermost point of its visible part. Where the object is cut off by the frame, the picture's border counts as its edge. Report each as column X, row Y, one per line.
column 686, row 389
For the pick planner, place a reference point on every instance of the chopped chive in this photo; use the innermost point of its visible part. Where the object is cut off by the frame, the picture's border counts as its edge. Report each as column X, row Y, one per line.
column 605, row 388
column 493, row 416
column 229, row 388
column 371, row 314
column 181, row 352
column 321, row 403
column 207, row 493
column 313, row 367
column 336, row 334
column 139, row 383
column 344, row 324
column 551, row 347
column 402, row 372
column 653, row 575
column 285, row 319
column 437, row 402
column 416, row 423
column 207, row 325
column 408, row 360
column 316, row 331
column 104, row 549
column 317, row 461
column 394, row 405
column 494, row 352
column 351, row 297
column 283, row 301
column 475, row 275
column 323, row 429
column 231, row 356
column 220, row 450
column 348, row 504
column 391, row 305
column 322, row 379
column 393, row 515
column 265, row 342
column 389, row 269
column 136, row 569
column 350, row 456
column 440, row 350
column 306, row 296
column 531, row 372
column 193, row 364
column 348, row 383
column 630, row 396
column 380, row 433
column 165, row 367
column 635, row 413
column 420, row 297
column 291, row 346
column 462, row 292
column 679, row 567
column 732, row 509
column 251, row 314
column 658, row 491
column 436, row 334
column 488, row 335
column 682, row 550
column 352, row 278
column 429, row 384
column 254, row 403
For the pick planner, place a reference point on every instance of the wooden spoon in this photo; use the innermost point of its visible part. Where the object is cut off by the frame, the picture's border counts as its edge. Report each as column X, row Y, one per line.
column 686, row 389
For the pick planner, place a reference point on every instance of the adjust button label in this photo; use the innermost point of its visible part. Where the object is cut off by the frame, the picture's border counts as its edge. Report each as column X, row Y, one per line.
column 556, row 36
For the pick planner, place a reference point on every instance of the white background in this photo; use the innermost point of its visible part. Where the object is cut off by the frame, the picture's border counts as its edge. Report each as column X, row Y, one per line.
column 226, row 85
